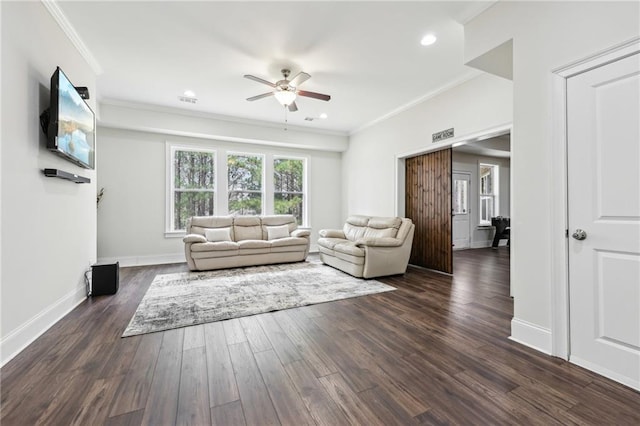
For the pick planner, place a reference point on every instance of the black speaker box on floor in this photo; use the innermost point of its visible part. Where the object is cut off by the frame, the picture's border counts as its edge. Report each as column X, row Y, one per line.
column 104, row 279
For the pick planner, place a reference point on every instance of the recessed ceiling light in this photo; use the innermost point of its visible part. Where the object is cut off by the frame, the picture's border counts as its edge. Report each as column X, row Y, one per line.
column 428, row 40
column 189, row 94
column 323, row 115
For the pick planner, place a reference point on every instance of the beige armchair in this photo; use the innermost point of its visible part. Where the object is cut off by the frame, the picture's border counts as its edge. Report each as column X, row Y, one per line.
column 368, row 247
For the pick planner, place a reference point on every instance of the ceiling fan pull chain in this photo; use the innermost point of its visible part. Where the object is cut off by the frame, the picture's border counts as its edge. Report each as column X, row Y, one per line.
column 285, row 117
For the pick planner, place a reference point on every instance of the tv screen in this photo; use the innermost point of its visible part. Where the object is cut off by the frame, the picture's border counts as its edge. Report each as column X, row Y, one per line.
column 72, row 123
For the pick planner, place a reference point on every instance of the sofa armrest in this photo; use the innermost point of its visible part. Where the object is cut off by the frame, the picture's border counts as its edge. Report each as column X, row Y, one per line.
column 379, row 242
column 332, row 233
column 301, row 233
column 194, row 238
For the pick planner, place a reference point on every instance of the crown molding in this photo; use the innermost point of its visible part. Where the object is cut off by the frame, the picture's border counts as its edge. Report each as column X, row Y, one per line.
column 59, row 16
column 464, row 19
column 457, row 82
column 213, row 116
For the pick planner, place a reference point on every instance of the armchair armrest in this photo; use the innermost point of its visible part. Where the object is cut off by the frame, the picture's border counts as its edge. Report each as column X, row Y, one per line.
column 301, row 233
column 194, row 238
column 379, row 242
column 332, row 233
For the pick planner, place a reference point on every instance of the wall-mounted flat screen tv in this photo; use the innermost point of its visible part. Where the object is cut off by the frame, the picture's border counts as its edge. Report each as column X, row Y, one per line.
column 72, row 124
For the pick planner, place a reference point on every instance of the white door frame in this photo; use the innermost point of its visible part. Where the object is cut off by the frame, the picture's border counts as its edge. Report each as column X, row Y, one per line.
column 559, row 252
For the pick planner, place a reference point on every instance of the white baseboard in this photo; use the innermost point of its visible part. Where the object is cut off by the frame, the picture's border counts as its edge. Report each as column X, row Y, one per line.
column 157, row 259
column 24, row 335
column 487, row 243
column 531, row 335
column 634, row 384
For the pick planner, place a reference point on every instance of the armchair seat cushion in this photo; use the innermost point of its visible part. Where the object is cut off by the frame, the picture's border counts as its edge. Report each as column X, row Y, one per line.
column 330, row 242
column 350, row 248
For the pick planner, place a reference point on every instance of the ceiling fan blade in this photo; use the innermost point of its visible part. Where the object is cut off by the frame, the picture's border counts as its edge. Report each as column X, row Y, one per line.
column 259, row 80
column 300, row 78
column 314, row 95
column 293, row 107
column 264, row 95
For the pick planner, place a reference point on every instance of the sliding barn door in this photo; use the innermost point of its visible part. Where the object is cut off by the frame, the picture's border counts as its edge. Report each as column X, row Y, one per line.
column 428, row 204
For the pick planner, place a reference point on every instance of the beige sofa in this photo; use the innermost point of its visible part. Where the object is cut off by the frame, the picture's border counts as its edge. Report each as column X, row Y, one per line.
column 368, row 247
column 216, row 242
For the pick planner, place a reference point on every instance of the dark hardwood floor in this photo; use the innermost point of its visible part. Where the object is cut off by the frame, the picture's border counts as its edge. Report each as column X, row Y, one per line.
column 435, row 351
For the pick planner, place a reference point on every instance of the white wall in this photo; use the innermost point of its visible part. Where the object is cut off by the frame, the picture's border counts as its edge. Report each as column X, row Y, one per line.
column 132, row 169
column 48, row 225
column 546, row 35
column 465, row 162
column 479, row 104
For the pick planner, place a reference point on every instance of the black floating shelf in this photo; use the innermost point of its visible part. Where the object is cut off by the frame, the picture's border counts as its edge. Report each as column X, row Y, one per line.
column 66, row 175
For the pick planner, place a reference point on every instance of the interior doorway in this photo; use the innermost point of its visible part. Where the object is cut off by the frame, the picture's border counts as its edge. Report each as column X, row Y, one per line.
column 413, row 196
column 487, row 163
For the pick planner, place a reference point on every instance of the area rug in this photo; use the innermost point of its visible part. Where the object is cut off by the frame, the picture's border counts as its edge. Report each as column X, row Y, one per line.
column 190, row 298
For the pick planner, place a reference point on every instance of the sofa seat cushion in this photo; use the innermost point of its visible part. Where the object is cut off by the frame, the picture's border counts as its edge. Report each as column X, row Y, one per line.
column 350, row 248
column 254, row 244
column 217, row 246
column 288, row 241
column 214, row 254
column 329, row 243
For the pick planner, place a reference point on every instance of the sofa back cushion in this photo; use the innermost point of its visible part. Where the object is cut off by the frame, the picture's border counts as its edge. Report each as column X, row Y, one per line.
column 247, row 228
column 371, row 227
column 278, row 220
column 382, row 227
column 355, row 227
column 198, row 224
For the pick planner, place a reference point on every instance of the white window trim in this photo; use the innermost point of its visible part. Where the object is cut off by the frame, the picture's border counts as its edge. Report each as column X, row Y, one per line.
column 221, row 185
column 495, row 194
column 170, row 149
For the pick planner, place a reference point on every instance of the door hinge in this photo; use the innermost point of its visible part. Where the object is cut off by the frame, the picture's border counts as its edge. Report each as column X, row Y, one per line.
column 566, row 233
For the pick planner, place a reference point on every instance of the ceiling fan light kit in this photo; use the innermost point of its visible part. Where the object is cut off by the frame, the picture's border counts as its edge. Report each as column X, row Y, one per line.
column 285, row 91
column 285, row 96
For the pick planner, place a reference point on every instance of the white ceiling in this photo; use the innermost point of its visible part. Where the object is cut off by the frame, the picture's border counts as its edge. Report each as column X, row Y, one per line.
column 366, row 55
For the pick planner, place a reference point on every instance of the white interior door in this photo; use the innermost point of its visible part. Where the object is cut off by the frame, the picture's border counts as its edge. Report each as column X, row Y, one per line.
column 460, row 210
column 603, row 131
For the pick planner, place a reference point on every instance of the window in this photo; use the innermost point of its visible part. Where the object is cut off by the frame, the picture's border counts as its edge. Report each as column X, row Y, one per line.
column 489, row 183
column 244, row 174
column 460, row 197
column 192, row 185
column 288, row 187
column 205, row 182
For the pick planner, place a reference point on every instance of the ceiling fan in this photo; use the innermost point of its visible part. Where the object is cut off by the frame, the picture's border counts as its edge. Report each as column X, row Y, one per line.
column 285, row 90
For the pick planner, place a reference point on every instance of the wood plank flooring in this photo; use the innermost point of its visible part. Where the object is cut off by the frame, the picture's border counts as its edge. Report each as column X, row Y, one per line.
column 435, row 351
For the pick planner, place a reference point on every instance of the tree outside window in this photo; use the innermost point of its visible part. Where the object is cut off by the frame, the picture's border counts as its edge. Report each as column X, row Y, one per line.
column 244, row 173
column 288, row 182
column 193, row 185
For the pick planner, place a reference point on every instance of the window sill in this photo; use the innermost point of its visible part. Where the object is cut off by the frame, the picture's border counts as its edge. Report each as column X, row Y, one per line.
column 174, row 234
column 484, row 227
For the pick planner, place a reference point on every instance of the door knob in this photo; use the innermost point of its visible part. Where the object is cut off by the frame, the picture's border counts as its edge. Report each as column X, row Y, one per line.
column 579, row 234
